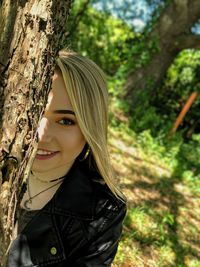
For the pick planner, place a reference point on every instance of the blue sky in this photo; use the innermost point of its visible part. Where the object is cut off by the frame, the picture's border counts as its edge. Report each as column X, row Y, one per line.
column 136, row 12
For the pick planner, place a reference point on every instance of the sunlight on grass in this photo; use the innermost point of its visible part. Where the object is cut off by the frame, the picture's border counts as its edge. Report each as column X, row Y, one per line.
column 161, row 228
column 191, row 262
column 166, row 256
column 143, row 223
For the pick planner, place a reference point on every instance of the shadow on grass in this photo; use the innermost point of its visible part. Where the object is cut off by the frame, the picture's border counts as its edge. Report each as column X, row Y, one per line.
column 163, row 204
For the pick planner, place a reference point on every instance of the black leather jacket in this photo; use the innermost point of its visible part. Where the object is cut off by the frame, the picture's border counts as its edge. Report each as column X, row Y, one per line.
column 80, row 226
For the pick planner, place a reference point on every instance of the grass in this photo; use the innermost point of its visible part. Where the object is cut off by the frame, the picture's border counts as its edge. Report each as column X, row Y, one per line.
column 162, row 226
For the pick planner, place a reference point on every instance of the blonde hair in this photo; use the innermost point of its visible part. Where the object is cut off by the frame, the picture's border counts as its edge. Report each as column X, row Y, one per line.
column 87, row 90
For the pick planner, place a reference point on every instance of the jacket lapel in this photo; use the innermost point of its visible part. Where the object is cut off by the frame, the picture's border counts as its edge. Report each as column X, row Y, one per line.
column 76, row 196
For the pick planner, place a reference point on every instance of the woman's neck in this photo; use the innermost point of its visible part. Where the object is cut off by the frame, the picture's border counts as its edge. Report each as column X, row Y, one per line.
column 48, row 176
column 38, row 193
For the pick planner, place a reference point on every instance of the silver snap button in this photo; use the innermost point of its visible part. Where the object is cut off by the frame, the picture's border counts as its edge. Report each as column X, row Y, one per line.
column 53, row 251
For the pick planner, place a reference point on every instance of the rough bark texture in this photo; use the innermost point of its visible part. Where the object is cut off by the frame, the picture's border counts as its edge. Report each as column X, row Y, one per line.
column 31, row 33
column 173, row 32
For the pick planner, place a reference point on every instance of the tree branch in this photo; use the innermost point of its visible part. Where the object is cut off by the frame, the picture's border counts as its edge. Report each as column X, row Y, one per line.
column 188, row 41
column 170, row 34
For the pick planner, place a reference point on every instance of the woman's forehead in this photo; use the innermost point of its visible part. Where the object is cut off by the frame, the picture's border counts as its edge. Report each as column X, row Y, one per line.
column 58, row 97
column 56, row 74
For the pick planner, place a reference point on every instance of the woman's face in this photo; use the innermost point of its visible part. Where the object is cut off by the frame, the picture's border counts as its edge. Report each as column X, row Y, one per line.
column 60, row 138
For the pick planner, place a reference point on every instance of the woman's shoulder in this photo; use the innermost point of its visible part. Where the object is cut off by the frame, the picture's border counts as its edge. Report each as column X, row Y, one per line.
column 84, row 195
column 105, row 199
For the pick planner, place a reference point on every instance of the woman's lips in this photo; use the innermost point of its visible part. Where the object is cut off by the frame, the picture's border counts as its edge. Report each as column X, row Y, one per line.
column 45, row 157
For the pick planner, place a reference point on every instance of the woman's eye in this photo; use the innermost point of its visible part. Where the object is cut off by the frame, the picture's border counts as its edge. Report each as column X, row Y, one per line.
column 66, row 121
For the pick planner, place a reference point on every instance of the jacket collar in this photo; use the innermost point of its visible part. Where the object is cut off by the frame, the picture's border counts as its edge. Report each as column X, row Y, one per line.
column 76, row 196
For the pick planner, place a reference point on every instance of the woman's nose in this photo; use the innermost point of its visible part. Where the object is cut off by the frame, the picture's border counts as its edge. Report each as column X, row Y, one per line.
column 43, row 130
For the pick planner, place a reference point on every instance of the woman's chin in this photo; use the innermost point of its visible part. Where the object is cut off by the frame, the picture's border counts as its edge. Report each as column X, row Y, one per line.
column 51, row 168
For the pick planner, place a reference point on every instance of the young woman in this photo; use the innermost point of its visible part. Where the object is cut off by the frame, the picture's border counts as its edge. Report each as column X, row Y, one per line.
column 71, row 213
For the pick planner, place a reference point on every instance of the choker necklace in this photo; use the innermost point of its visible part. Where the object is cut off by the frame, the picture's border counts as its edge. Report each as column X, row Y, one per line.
column 50, row 181
column 29, row 200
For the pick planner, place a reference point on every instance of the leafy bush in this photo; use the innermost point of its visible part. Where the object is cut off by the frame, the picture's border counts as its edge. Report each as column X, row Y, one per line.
column 104, row 38
column 182, row 80
column 189, row 157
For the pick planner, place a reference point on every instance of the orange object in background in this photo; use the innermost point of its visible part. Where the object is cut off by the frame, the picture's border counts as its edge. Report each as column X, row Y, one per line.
column 183, row 112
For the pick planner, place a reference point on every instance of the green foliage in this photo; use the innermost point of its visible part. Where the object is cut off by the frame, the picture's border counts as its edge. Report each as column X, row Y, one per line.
column 162, row 218
column 182, row 79
column 181, row 157
column 142, row 51
column 184, row 71
column 113, row 45
column 147, row 116
column 109, row 41
column 158, row 111
column 191, row 153
column 105, row 39
column 189, row 163
column 116, row 83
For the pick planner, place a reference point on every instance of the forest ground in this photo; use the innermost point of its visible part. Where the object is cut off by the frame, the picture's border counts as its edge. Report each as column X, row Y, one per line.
column 161, row 227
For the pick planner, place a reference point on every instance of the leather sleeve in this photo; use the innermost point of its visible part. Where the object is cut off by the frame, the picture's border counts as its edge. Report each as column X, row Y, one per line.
column 103, row 241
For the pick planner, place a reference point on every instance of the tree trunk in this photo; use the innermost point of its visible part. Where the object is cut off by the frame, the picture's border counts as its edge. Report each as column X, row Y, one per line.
column 172, row 33
column 31, row 33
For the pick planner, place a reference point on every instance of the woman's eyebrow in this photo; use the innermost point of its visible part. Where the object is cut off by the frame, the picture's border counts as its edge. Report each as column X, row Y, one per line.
column 64, row 111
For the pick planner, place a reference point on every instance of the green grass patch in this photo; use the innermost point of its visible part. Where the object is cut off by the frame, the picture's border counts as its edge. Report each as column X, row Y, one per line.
column 161, row 181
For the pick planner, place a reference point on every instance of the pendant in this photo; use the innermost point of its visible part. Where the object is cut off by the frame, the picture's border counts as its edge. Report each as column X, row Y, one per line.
column 26, row 203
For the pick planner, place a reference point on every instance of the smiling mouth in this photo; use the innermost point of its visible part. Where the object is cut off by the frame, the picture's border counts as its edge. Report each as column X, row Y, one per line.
column 45, row 154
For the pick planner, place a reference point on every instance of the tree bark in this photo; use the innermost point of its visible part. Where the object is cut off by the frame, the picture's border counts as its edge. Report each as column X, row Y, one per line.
column 173, row 34
column 31, row 34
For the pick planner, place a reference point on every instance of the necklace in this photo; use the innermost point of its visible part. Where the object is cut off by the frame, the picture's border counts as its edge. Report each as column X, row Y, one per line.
column 47, row 182
column 29, row 200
